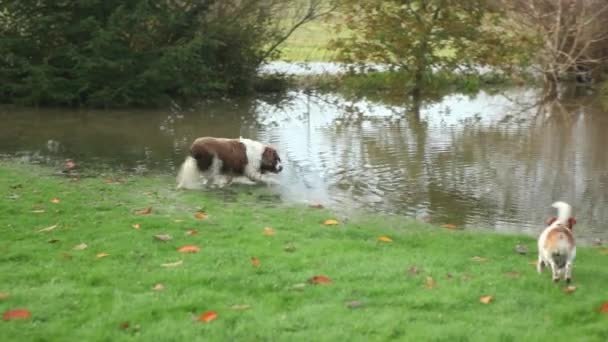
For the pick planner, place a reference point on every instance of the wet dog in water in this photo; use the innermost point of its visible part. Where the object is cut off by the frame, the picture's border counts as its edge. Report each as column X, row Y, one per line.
column 217, row 161
column 556, row 245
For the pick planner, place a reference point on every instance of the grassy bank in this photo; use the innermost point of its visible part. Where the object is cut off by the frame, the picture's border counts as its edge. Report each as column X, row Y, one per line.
column 425, row 284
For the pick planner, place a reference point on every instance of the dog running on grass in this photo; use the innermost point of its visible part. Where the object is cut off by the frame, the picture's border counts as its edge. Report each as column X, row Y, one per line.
column 556, row 244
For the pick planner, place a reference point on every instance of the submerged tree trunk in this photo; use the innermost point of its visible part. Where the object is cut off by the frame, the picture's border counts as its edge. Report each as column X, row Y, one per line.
column 550, row 86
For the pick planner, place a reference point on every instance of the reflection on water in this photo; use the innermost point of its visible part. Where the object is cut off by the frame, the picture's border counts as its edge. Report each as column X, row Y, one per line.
column 476, row 161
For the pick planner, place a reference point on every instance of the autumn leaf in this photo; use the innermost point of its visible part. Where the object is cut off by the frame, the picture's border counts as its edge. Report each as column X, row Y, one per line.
column 268, row 231
column 449, row 226
column 80, row 247
column 298, row 287
column 101, row 255
column 486, row 299
column 47, row 229
column 570, row 289
column 172, row 264
column 38, row 211
column 330, row 222
column 320, row 280
column 255, row 262
column 136, row 226
column 16, row 314
column 144, row 211
column 430, row 283
column 385, row 239
column 189, row 249
column 163, row 237
column 604, row 251
column 4, row 295
column 603, row 308
column 208, row 316
column 55, row 200
column 479, row 259
column 124, row 325
column 200, row 215
column 191, row 232
column 158, row 287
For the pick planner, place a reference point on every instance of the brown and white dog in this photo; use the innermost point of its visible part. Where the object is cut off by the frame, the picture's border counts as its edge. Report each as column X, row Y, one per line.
column 556, row 245
column 217, row 161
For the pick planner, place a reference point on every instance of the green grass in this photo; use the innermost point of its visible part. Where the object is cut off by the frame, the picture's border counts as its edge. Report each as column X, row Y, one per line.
column 75, row 296
column 309, row 43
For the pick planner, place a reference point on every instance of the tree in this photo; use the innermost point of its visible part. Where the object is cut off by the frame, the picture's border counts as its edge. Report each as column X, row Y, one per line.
column 415, row 36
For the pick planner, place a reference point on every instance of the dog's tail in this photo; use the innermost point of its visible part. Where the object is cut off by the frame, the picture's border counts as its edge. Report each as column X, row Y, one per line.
column 189, row 177
column 564, row 211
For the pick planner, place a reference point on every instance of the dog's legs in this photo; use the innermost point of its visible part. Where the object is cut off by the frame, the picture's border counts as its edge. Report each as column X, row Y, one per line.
column 259, row 177
column 554, row 271
column 568, row 271
column 540, row 265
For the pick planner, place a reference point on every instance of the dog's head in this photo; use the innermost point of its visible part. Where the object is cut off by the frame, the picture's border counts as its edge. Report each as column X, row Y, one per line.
column 271, row 162
column 570, row 224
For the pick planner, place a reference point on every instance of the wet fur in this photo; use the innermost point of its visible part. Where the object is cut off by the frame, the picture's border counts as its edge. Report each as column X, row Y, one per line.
column 556, row 244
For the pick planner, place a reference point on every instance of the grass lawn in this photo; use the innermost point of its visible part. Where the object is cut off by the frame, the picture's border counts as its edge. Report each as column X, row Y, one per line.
column 424, row 285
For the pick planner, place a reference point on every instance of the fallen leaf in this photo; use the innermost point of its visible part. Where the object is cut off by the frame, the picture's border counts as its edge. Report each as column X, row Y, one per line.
column 255, row 262
column 189, row 249
column 604, row 251
column 102, row 255
column 38, row 211
column 80, row 247
column 521, row 249
column 512, row 274
column 208, row 316
column 569, row 289
column 330, row 222
column 479, row 259
column 16, row 314
column 47, row 229
column 191, row 232
column 55, row 200
column 158, row 287
column 201, row 215
column 172, row 264
column 604, row 308
column 413, row 270
column 298, row 287
column 486, row 299
column 240, row 307
column 136, row 226
column 268, row 231
column 145, row 211
column 320, row 280
column 385, row 239
column 449, row 226
column 430, row 283
column 163, row 237
column 317, row 206
column 4, row 295
column 354, row 304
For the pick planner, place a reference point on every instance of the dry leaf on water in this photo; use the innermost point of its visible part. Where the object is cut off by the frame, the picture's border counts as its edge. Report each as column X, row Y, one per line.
column 320, row 280
column 208, row 316
column 102, row 255
column 200, row 215
column 385, row 239
column 80, row 247
column 449, row 226
column 145, row 211
column 189, row 249
column 158, row 287
column 136, row 226
column 191, row 232
column 430, row 283
column 47, row 229
column 479, row 259
column 240, row 307
column 255, row 262
column 163, row 237
column 16, row 314
column 486, row 299
column 268, row 231
column 172, row 264
column 570, row 289
column 4, row 295
column 330, row 222
column 55, row 200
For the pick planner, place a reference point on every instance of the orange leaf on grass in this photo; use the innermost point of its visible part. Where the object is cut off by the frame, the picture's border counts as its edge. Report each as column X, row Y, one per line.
column 4, row 295
column 255, row 262
column 449, row 226
column 430, row 283
column 55, row 200
column 144, row 211
column 320, row 280
column 16, row 314
column 268, row 231
column 189, row 249
column 208, row 316
column 385, row 239
column 603, row 308
column 201, row 215
column 331, row 222
column 486, row 299
column 191, row 232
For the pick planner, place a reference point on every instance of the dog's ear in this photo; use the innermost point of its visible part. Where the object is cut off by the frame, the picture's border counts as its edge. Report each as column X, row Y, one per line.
column 268, row 154
column 571, row 222
column 550, row 220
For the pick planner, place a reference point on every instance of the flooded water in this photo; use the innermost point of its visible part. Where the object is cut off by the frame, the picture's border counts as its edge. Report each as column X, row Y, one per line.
column 486, row 161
